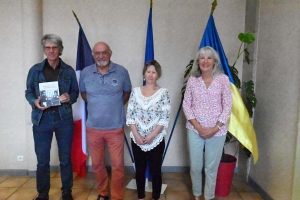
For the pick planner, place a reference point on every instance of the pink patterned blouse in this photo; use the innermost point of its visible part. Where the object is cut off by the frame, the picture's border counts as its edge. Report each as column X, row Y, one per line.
column 208, row 105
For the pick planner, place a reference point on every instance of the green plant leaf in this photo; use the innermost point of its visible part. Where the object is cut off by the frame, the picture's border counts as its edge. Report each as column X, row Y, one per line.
column 253, row 101
column 187, row 72
column 247, row 37
column 188, row 68
column 235, row 75
column 246, row 52
column 183, row 88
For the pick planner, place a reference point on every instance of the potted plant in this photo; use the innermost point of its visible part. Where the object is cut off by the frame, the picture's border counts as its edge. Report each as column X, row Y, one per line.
column 228, row 162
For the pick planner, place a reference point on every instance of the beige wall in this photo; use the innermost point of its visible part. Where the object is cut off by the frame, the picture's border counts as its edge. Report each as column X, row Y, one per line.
column 277, row 87
column 13, row 132
column 21, row 24
column 178, row 28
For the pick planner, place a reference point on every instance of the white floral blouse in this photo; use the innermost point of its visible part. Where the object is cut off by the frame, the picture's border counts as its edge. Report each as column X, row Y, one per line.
column 148, row 112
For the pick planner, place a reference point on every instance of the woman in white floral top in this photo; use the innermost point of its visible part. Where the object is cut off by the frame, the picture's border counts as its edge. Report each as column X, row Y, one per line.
column 207, row 106
column 148, row 115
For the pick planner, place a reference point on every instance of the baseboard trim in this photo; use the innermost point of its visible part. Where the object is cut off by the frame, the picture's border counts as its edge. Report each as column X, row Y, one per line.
column 13, row 172
column 23, row 172
column 259, row 189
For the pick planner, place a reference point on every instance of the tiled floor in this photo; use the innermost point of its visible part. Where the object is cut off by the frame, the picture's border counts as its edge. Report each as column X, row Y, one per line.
column 178, row 188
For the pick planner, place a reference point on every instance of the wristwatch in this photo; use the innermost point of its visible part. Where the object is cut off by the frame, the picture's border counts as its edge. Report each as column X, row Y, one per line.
column 219, row 127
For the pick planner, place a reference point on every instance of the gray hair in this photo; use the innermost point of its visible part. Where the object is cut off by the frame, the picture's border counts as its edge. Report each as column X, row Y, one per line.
column 53, row 39
column 196, row 71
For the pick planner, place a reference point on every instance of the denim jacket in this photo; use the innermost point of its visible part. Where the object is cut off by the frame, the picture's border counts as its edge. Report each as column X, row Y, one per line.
column 67, row 83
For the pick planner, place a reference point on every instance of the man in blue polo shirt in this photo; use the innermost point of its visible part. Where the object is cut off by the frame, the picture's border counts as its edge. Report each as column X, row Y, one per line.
column 106, row 87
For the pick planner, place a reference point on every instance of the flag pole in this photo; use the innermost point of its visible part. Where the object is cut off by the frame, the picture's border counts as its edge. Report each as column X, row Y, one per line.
column 213, row 6
column 76, row 18
column 178, row 112
column 127, row 144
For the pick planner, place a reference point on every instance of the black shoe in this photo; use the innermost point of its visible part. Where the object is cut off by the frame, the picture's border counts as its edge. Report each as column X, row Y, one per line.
column 67, row 196
column 41, row 198
column 100, row 196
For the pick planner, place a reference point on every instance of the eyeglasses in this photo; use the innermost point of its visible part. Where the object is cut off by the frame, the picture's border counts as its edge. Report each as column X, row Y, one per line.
column 104, row 53
column 49, row 48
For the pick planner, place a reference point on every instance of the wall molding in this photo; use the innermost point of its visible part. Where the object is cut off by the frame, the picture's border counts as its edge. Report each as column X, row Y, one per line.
column 259, row 189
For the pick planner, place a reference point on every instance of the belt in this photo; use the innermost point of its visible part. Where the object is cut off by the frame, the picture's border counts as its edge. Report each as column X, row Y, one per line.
column 52, row 108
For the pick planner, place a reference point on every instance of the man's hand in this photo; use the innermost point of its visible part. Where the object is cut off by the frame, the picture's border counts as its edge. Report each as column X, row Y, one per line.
column 37, row 104
column 64, row 98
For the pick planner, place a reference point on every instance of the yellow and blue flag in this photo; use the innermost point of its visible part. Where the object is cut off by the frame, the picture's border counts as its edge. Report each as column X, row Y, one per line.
column 240, row 125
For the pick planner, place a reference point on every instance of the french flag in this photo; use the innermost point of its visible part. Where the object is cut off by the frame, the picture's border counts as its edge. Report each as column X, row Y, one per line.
column 79, row 149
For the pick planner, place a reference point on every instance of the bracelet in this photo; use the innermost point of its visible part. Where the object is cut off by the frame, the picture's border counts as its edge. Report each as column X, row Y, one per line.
column 218, row 127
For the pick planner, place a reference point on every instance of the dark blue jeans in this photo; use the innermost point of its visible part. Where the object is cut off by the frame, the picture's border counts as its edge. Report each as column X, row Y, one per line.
column 43, row 134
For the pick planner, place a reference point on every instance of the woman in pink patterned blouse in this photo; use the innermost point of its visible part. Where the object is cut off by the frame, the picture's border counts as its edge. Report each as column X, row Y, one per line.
column 207, row 106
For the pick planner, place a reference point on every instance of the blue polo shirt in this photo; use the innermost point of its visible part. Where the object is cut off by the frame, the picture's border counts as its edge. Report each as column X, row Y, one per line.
column 105, row 104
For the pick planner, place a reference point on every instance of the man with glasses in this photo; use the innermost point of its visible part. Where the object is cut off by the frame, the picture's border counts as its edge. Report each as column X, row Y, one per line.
column 106, row 87
column 58, row 119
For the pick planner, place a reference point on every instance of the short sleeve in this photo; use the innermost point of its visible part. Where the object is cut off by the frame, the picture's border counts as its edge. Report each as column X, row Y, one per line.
column 127, row 83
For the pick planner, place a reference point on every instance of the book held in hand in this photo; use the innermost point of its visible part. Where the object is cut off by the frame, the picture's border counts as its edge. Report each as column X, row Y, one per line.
column 49, row 93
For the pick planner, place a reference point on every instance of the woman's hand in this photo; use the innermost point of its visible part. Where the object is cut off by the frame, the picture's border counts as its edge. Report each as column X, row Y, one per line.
column 209, row 132
column 149, row 138
column 138, row 139
column 201, row 130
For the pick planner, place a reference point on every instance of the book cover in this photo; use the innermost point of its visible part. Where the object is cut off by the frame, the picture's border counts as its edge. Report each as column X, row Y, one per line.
column 49, row 93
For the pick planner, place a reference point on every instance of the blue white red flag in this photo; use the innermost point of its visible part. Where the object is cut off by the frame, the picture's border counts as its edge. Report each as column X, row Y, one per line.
column 79, row 151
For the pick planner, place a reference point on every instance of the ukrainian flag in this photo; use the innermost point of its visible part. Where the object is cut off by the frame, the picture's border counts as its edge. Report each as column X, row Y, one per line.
column 240, row 125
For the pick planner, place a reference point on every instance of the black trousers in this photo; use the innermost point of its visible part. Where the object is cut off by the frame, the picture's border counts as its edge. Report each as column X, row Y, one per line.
column 154, row 158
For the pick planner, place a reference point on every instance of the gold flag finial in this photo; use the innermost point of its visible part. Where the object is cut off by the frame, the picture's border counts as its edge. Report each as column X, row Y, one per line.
column 150, row 3
column 213, row 6
column 76, row 18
